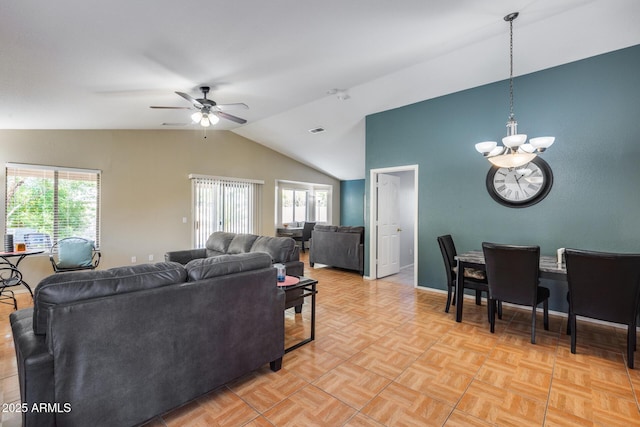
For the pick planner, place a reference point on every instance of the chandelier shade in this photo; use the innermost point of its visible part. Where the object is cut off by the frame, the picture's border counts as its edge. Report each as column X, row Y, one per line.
column 515, row 150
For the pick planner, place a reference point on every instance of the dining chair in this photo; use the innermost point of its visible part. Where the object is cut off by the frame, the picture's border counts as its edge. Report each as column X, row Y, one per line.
column 9, row 277
column 513, row 276
column 73, row 254
column 473, row 279
column 604, row 286
column 306, row 234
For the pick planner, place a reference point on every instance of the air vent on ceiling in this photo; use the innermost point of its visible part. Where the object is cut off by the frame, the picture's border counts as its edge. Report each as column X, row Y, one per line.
column 319, row 129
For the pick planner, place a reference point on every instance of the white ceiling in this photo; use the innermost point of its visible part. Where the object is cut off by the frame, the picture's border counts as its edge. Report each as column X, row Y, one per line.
column 72, row 64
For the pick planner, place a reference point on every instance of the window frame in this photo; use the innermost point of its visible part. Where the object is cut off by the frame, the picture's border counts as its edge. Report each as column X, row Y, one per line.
column 311, row 190
column 219, row 196
column 14, row 170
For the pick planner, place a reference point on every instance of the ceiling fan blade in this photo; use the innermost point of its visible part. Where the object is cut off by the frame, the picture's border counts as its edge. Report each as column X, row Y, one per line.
column 230, row 117
column 191, row 99
column 225, row 107
column 171, row 108
column 176, row 124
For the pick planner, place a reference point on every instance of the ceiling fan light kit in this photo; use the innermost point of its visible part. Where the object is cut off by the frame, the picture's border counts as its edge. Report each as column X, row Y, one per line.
column 208, row 111
column 515, row 150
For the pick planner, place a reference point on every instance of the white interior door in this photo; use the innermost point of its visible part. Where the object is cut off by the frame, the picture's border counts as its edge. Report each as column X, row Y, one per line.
column 388, row 225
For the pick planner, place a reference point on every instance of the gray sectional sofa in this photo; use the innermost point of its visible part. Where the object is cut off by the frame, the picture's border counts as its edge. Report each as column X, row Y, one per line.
column 282, row 250
column 117, row 347
column 338, row 246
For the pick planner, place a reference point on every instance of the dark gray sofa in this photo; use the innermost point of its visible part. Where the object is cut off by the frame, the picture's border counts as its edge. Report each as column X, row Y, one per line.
column 282, row 250
column 338, row 246
column 118, row 347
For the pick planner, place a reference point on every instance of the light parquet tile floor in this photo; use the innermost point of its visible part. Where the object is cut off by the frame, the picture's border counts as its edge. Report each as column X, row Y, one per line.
column 387, row 354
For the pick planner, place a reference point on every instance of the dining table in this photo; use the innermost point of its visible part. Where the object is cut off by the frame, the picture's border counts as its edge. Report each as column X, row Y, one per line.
column 549, row 269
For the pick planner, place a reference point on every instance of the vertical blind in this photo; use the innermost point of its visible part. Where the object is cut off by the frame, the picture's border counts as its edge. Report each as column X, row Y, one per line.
column 47, row 203
column 225, row 204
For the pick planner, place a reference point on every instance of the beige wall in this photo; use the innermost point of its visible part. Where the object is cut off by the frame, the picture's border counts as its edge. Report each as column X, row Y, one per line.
column 145, row 189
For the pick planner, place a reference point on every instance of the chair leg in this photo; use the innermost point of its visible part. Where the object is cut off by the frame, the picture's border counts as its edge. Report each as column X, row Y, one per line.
column 545, row 311
column 631, row 344
column 449, row 296
column 478, row 297
column 533, row 324
column 572, row 326
column 500, row 310
column 492, row 315
column 569, row 314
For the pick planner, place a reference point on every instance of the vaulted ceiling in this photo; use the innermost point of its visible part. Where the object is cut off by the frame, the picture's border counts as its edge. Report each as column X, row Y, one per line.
column 100, row 65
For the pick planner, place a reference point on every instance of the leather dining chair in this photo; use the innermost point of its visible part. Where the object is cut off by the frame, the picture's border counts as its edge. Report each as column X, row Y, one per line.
column 604, row 286
column 513, row 276
column 306, row 234
column 473, row 279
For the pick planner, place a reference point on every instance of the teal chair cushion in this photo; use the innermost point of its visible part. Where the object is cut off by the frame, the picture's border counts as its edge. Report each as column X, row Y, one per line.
column 74, row 253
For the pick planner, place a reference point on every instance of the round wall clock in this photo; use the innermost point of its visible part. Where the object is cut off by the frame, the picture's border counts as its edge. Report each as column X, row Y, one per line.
column 521, row 186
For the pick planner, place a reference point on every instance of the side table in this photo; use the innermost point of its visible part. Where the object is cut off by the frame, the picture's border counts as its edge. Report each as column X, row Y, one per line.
column 308, row 287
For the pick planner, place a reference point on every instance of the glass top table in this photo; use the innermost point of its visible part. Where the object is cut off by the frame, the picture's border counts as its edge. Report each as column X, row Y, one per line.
column 549, row 269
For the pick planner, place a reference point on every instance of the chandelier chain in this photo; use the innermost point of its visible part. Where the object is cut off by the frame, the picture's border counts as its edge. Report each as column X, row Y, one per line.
column 511, row 115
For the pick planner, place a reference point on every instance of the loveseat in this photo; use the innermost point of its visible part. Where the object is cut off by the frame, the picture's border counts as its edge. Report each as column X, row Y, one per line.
column 338, row 246
column 283, row 250
column 118, row 347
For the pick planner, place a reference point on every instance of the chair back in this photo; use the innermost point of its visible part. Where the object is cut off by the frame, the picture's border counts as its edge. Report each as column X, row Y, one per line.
column 74, row 253
column 602, row 285
column 512, row 272
column 448, row 250
column 307, row 229
column 9, row 276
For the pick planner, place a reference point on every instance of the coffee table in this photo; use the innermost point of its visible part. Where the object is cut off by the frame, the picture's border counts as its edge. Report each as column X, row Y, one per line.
column 304, row 288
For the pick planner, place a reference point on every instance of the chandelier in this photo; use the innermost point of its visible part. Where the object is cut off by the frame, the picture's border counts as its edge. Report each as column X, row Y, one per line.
column 516, row 151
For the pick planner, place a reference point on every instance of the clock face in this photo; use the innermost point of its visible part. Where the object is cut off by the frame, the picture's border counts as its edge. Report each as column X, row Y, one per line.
column 521, row 186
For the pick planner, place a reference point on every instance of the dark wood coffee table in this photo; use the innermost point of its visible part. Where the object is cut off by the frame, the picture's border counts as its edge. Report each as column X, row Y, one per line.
column 304, row 288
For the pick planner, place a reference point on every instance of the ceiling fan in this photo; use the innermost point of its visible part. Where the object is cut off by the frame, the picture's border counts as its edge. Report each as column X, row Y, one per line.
column 208, row 111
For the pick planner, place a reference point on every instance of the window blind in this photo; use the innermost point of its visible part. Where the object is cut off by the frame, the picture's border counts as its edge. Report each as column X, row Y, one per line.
column 225, row 204
column 47, row 203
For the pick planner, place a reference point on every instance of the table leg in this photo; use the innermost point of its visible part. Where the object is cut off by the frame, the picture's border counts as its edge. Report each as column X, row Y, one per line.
column 459, row 292
column 23, row 283
column 313, row 312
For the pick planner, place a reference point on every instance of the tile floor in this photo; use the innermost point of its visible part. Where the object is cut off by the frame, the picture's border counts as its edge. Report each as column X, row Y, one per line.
column 387, row 354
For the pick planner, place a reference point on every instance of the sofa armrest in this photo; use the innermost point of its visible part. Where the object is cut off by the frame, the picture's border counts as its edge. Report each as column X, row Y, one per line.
column 184, row 256
column 35, row 368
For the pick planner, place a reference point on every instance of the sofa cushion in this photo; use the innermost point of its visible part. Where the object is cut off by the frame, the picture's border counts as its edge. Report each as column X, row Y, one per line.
column 352, row 229
column 279, row 248
column 219, row 242
column 82, row 285
column 206, row 268
column 241, row 243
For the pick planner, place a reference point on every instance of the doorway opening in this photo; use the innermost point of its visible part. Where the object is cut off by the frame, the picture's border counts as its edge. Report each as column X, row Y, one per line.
column 393, row 215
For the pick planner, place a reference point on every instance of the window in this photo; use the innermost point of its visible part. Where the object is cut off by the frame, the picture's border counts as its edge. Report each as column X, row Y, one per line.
column 322, row 206
column 48, row 203
column 225, row 204
column 299, row 202
column 294, row 206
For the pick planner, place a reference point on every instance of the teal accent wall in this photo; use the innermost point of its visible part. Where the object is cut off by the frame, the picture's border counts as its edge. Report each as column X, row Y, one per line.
column 591, row 106
column 352, row 202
